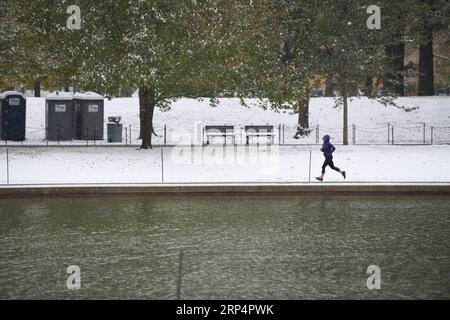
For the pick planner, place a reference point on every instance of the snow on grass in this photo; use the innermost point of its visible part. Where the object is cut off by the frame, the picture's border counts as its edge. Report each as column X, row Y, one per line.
column 189, row 115
column 73, row 165
column 383, row 163
column 218, row 164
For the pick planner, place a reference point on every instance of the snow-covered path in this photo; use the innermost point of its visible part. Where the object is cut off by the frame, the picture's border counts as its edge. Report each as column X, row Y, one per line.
column 218, row 164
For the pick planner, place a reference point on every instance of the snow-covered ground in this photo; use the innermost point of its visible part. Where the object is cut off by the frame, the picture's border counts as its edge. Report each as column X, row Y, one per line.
column 286, row 163
column 218, row 164
column 189, row 115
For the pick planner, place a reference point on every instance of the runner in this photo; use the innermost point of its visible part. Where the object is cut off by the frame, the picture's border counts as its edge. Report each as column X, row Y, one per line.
column 328, row 149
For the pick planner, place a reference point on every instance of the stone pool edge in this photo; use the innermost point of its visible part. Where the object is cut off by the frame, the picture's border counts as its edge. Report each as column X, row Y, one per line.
column 8, row 191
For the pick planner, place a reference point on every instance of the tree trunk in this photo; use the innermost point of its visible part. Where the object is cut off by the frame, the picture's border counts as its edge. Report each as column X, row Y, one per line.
column 66, row 87
column 329, row 88
column 303, row 111
column 368, row 87
column 147, row 105
column 286, row 52
column 394, row 82
column 345, row 126
column 303, row 116
column 37, row 88
column 141, row 118
column 354, row 92
column 426, row 68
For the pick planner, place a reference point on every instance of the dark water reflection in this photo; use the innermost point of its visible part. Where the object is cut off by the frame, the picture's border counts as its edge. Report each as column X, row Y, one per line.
column 233, row 247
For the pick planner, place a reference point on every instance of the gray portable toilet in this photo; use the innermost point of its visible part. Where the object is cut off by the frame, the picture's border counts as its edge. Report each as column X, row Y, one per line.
column 89, row 114
column 12, row 116
column 59, row 116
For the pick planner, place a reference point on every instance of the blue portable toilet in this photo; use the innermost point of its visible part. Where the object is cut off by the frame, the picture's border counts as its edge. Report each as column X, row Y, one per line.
column 12, row 116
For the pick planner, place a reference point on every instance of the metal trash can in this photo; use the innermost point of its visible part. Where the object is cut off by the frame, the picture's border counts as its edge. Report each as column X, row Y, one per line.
column 12, row 116
column 89, row 114
column 114, row 130
column 59, row 116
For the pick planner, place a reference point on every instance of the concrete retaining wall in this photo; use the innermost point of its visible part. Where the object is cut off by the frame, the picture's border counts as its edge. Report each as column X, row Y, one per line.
column 224, row 189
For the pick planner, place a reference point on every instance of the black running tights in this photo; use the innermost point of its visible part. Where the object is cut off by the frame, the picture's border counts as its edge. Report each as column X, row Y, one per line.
column 329, row 162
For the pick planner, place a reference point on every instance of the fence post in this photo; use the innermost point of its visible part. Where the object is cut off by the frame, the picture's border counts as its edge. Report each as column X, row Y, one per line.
column 389, row 132
column 165, row 134
column 392, row 134
column 424, row 139
column 203, row 138
column 95, row 129
column 317, row 134
column 354, row 133
column 279, row 133
column 283, row 133
column 432, row 135
column 126, row 136
column 130, row 134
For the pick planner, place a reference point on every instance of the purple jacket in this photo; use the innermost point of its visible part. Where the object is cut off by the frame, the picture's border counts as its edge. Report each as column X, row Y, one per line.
column 327, row 147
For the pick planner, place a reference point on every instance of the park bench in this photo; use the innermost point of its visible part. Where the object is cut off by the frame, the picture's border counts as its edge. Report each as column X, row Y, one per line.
column 259, row 131
column 220, row 131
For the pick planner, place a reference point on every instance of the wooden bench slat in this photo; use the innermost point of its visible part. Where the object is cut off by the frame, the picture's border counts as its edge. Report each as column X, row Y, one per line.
column 220, row 134
column 259, row 128
column 260, row 134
